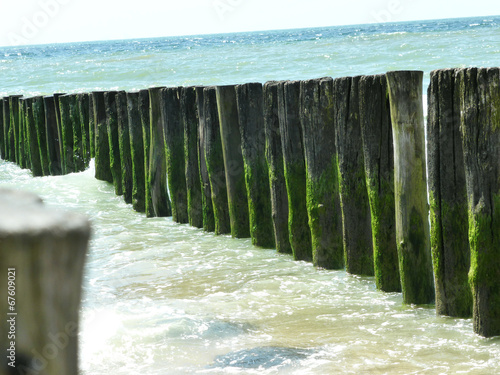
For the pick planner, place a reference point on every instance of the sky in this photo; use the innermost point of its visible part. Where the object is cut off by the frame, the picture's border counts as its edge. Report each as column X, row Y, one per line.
column 61, row 21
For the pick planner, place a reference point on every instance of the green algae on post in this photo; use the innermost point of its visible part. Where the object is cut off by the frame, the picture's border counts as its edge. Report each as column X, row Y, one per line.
column 144, row 103
column 84, row 113
column 233, row 161
column 114, row 147
column 448, row 197
column 136, row 152
column 480, row 127
column 174, row 151
column 189, row 119
column 356, row 216
column 206, row 196
column 32, row 137
column 124, row 144
column 249, row 98
column 376, row 132
column 294, row 169
column 410, row 187
column 53, row 147
column 78, row 135
column 274, row 157
column 65, row 106
column 102, row 164
column 39, row 117
column 157, row 160
column 323, row 202
column 215, row 162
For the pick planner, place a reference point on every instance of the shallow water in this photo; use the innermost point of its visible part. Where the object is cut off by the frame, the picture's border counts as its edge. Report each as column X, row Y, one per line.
column 164, row 298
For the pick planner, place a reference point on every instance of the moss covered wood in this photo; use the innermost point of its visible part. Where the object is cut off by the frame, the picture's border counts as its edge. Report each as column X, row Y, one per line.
column 92, row 127
column 157, row 159
column 114, row 146
column 447, row 197
column 3, row 148
column 59, row 129
column 124, row 144
column 410, row 187
column 233, row 161
column 146, row 134
column 32, row 137
column 22, row 141
column 323, row 202
column 215, row 161
column 78, row 141
column 65, row 106
column 206, row 190
column 356, row 216
column 274, row 157
column 480, row 128
column 14, row 128
column 52, row 133
column 294, row 169
column 250, row 102
column 102, row 164
column 189, row 119
column 174, row 150
column 8, row 139
column 378, row 151
column 39, row 117
column 84, row 113
column 136, row 152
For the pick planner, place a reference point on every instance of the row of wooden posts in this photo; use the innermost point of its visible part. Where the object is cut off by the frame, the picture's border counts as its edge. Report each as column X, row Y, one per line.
column 332, row 171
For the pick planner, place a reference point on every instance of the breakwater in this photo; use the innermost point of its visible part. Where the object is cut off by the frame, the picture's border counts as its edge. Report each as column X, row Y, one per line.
column 324, row 166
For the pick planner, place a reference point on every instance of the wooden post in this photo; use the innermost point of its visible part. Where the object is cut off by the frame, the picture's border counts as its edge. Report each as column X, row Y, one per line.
column 84, row 114
column 6, row 130
column 274, row 157
column 39, row 117
column 53, row 147
column 378, row 151
column 410, row 187
column 250, row 102
column 14, row 128
column 480, row 127
column 294, row 168
column 136, row 152
column 448, row 197
column 92, row 127
column 215, row 161
column 2, row 134
column 206, row 196
column 67, row 133
column 189, row 118
column 124, row 144
column 146, row 133
column 32, row 137
column 59, row 131
column 233, row 161
column 42, row 252
column 157, row 161
column 174, row 149
column 115, row 163
column 102, row 164
column 78, row 158
column 323, row 202
column 356, row 220
column 22, row 141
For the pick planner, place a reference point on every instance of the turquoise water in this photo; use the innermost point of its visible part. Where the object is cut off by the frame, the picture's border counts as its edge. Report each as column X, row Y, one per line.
column 164, row 298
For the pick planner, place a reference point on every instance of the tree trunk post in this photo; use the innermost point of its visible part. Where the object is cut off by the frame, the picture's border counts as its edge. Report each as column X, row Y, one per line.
column 356, row 216
column 102, row 164
column 215, row 162
column 250, row 103
column 84, row 113
column 114, row 147
column 480, row 128
column 189, row 118
column 410, row 186
column 39, row 117
column 378, row 151
column 42, row 252
column 274, row 157
column 53, row 147
column 124, row 143
column 157, row 159
column 233, row 161
column 206, row 190
column 448, row 197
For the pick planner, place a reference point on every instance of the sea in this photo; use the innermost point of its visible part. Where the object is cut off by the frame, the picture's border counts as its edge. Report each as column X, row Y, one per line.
column 164, row 298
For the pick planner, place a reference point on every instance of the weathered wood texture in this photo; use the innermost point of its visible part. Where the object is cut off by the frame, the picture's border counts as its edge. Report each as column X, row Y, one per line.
column 274, row 157
column 136, row 152
column 102, row 164
column 157, row 159
column 189, row 119
column 250, row 102
column 52, row 133
column 480, row 128
column 43, row 253
column 378, row 151
column 174, row 149
column 410, row 186
column 323, row 202
column 214, row 159
column 448, row 197
column 124, row 144
column 144, row 112
column 206, row 190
